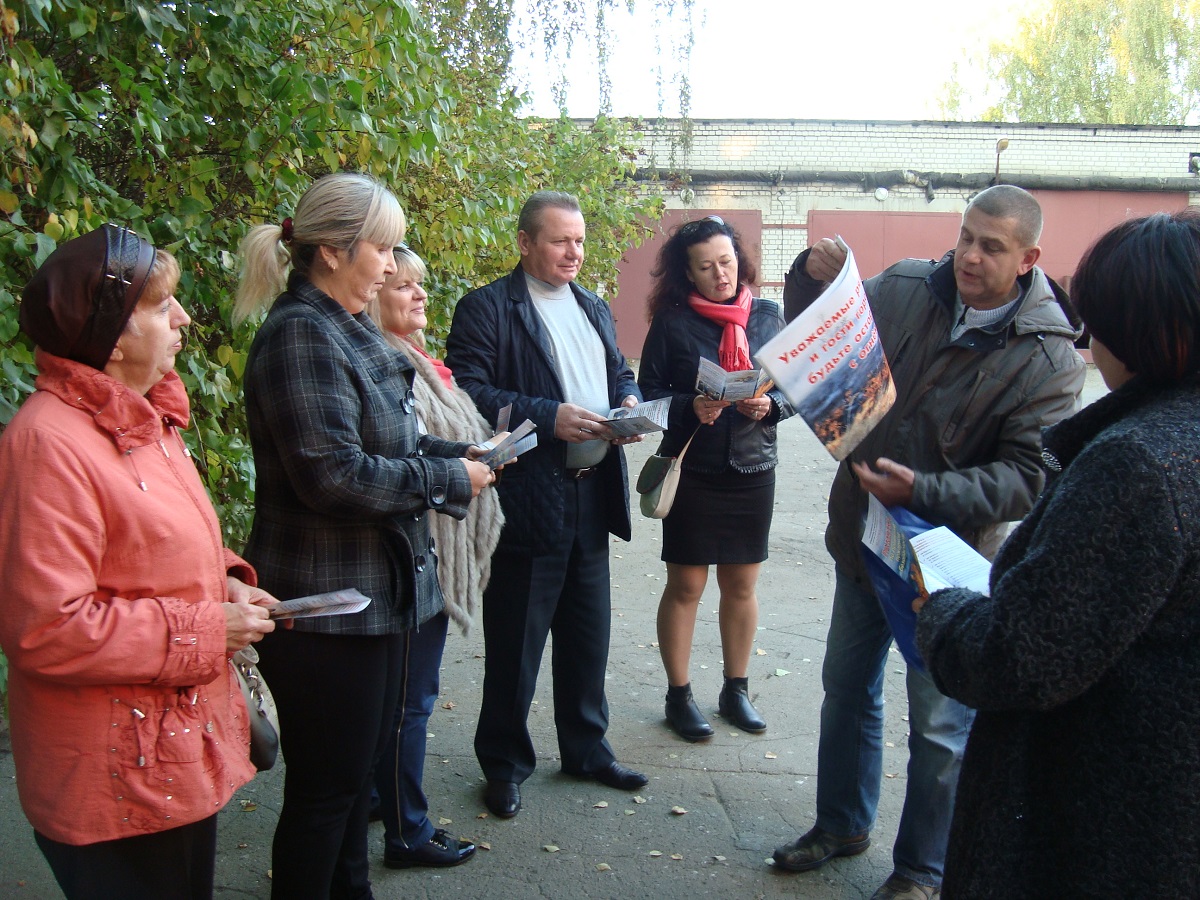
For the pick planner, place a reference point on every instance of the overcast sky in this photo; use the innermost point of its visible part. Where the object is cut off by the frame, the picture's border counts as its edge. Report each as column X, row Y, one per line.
column 862, row 59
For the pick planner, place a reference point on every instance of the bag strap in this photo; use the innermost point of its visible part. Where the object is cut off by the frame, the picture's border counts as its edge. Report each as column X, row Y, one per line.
column 682, row 452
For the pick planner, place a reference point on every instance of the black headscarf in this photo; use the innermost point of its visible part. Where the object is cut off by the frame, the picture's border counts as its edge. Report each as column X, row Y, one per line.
column 76, row 305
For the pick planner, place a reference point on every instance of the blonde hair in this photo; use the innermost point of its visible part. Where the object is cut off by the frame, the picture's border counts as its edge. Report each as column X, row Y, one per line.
column 338, row 211
column 409, row 267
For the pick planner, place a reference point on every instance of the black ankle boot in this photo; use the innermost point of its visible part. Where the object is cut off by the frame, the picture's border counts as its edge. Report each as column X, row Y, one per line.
column 735, row 706
column 684, row 716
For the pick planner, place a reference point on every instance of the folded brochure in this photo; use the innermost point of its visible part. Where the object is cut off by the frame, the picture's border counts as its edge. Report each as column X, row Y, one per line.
column 520, row 440
column 334, row 603
column 715, row 383
column 627, row 421
column 906, row 557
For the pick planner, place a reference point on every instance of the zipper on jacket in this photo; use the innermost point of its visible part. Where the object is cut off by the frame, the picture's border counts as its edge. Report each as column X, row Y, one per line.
column 139, row 715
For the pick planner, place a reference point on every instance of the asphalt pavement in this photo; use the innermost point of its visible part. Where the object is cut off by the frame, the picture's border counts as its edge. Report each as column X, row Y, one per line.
column 707, row 822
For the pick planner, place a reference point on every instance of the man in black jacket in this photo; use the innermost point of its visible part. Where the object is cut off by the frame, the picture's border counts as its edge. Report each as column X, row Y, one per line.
column 536, row 340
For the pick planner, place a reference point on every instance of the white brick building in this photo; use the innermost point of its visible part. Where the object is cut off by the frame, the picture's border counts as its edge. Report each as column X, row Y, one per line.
column 900, row 186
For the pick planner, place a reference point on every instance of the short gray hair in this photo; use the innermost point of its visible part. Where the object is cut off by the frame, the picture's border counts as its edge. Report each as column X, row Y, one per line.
column 1007, row 201
column 530, row 220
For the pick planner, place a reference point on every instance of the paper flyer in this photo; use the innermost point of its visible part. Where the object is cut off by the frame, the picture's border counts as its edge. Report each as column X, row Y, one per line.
column 652, row 415
column 830, row 364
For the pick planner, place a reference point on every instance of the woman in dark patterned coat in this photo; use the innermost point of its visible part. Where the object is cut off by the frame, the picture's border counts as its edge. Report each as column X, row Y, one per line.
column 344, row 481
column 1082, row 773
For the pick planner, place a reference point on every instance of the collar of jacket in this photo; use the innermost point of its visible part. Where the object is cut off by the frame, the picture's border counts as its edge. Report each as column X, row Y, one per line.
column 1033, row 314
column 129, row 418
column 1065, row 440
column 518, row 293
column 360, row 330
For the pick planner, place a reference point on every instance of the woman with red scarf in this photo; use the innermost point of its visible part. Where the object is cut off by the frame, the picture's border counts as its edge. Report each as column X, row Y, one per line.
column 701, row 307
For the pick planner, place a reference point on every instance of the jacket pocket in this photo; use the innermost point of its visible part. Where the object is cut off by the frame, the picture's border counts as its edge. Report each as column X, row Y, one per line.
column 181, row 737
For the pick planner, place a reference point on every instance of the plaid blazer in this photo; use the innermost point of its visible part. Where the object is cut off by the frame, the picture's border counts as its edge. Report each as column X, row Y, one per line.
column 344, row 479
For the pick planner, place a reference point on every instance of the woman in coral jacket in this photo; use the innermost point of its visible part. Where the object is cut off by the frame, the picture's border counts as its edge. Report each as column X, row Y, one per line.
column 119, row 605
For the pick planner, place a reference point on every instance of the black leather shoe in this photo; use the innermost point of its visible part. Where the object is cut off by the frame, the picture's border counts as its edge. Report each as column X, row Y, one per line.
column 684, row 716
column 440, row 851
column 503, row 798
column 816, row 847
column 615, row 775
column 734, row 704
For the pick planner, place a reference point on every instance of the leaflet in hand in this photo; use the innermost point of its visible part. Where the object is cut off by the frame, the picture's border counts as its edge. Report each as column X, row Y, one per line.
column 502, row 418
column 334, row 603
column 627, row 421
column 934, row 559
column 715, row 383
column 911, row 560
column 829, row 363
column 520, row 440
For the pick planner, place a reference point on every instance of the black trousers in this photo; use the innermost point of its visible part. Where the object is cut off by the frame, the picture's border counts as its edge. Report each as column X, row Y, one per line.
column 336, row 695
column 565, row 593
column 176, row 864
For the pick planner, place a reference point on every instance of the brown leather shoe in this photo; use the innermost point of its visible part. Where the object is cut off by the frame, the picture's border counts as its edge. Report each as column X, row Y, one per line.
column 816, row 847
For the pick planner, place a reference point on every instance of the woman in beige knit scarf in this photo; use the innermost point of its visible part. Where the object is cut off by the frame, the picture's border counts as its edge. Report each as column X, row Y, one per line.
column 464, row 554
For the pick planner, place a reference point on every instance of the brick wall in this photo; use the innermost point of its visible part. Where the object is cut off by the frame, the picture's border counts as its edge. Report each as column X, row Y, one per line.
column 773, row 166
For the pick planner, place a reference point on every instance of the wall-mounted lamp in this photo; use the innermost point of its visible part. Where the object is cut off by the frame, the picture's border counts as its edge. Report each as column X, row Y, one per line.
column 1194, row 163
column 1001, row 146
column 881, row 194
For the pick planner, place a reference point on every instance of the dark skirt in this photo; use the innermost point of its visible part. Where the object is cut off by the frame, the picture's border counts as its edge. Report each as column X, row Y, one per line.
column 720, row 519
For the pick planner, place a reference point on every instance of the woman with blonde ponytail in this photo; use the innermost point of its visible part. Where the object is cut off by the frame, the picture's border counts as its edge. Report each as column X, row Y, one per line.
column 344, row 479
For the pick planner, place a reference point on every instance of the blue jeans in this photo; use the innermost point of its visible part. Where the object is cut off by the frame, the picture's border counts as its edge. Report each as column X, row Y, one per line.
column 850, row 757
column 401, row 768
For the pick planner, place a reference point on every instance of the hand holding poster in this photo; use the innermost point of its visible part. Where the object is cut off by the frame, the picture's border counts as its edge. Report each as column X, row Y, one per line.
column 830, row 364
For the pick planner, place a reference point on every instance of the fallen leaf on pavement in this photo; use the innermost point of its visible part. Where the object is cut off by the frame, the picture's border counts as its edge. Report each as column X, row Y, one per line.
column 603, row 804
column 678, row 811
column 550, row 848
column 603, row 867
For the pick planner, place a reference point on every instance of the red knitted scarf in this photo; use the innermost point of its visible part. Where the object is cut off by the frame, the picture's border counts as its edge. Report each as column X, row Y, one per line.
column 734, row 351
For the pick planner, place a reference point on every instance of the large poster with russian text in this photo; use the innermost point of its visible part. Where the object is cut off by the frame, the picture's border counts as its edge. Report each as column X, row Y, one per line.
column 830, row 364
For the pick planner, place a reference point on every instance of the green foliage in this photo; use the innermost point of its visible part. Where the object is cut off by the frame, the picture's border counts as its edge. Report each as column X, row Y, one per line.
column 190, row 122
column 1101, row 62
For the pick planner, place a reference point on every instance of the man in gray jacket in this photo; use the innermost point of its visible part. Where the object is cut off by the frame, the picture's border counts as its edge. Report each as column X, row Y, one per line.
column 981, row 350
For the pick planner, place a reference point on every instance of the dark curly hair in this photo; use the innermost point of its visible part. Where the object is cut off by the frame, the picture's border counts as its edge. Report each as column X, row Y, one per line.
column 670, row 272
column 1138, row 291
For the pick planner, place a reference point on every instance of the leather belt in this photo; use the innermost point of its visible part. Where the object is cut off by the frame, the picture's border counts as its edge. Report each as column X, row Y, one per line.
column 580, row 474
